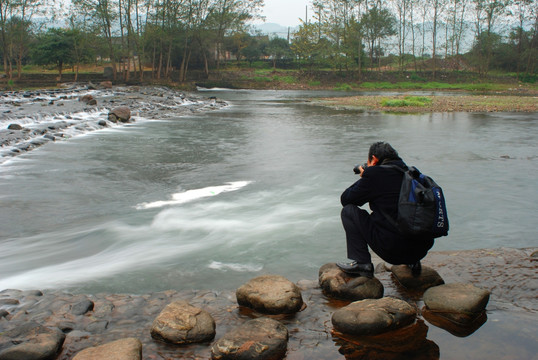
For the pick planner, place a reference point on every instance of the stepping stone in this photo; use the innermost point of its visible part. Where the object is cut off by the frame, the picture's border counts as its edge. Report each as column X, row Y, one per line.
column 31, row 341
column 338, row 285
column 123, row 349
column 182, row 323
column 270, row 294
column 427, row 278
column 459, row 303
column 259, row 339
column 373, row 316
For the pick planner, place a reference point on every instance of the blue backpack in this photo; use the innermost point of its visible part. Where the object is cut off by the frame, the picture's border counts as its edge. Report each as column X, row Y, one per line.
column 421, row 206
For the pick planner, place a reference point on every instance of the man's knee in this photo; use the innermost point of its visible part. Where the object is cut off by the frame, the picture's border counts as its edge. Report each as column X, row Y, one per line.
column 349, row 211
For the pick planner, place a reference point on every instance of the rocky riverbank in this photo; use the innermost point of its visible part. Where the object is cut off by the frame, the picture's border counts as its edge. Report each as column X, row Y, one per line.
column 32, row 118
column 510, row 275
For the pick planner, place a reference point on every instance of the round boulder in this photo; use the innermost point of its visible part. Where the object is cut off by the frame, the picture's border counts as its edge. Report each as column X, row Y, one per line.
column 123, row 349
column 337, row 284
column 121, row 113
column 31, row 341
column 427, row 278
column 258, row 339
column 460, row 303
column 15, row 127
column 182, row 323
column 270, row 294
column 373, row 316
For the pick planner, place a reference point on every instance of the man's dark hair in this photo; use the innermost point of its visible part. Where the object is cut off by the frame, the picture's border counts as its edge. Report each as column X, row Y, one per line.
column 383, row 151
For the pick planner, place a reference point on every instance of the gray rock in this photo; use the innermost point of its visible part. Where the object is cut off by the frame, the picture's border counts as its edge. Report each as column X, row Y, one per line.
column 121, row 113
column 31, row 341
column 14, row 127
column 270, row 294
column 373, row 316
column 337, row 284
column 82, row 307
column 460, row 303
column 427, row 278
column 259, row 339
column 123, row 349
column 182, row 323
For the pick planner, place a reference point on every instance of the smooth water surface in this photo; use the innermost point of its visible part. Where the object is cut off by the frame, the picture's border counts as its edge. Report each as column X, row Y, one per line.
column 212, row 199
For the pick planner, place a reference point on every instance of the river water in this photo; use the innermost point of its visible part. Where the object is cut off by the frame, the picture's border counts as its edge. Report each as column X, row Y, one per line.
column 212, row 199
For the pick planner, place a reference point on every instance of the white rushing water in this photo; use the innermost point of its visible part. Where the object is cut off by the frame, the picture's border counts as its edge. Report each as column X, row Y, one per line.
column 211, row 199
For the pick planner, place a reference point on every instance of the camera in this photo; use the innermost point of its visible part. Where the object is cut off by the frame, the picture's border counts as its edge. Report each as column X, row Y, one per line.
column 356, row 169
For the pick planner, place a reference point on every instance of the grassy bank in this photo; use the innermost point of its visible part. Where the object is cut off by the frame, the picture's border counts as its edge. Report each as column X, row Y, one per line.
column 440, row 103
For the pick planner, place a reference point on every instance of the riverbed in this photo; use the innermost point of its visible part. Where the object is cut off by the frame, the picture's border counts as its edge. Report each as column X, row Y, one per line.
column 186, row 198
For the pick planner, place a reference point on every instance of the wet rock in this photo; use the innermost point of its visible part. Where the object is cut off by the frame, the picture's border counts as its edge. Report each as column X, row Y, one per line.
column 337, row 284
column 260, row 339
column 14, row 127
column 456, row 329
column 9, row 301
column 82, row 307
column 102, row 123
column 31, row 341
column 121, row 113
column 373, row 316
column 270, row 294
column 88, row 99
column 182, row 323
column 408, row 342
column 460, row 303
column 123, row 349
column 106, row 84
column 427, row 278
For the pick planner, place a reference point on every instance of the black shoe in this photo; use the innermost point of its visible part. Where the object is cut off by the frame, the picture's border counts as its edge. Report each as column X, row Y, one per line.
column 354, row 268
column 416, row 268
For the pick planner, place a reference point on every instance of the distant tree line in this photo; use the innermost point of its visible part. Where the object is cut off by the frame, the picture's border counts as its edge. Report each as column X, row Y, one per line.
column 348, row 35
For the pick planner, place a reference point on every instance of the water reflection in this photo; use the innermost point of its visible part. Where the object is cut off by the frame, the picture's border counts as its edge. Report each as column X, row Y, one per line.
column 407, row 343
column 455, row 328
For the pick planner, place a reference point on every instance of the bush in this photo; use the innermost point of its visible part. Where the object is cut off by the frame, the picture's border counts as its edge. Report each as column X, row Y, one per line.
column 528, row 78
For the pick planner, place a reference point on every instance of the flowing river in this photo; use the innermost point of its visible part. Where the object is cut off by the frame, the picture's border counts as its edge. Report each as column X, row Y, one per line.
column 212, row 199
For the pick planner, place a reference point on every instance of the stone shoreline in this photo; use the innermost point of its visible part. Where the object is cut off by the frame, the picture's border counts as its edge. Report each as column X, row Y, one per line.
column 32, row 118
column 94, row 319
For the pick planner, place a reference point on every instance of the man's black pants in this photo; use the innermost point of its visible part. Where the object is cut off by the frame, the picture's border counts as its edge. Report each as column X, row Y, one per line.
column 361, row 232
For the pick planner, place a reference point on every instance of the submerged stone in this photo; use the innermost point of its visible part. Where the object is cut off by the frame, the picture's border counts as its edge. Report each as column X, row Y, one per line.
column 258, row 339
column 123, row 349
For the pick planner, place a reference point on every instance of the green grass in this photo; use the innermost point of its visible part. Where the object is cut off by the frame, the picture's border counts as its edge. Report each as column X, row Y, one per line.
column 285, row 79
column 343, row 87
column 407, row 101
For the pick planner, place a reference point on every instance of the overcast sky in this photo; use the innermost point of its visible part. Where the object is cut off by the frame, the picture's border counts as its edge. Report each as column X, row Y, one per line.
column 285, row 12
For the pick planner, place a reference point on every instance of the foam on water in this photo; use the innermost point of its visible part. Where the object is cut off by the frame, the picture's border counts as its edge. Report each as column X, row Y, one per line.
column 191, row 195
column 217, row 265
